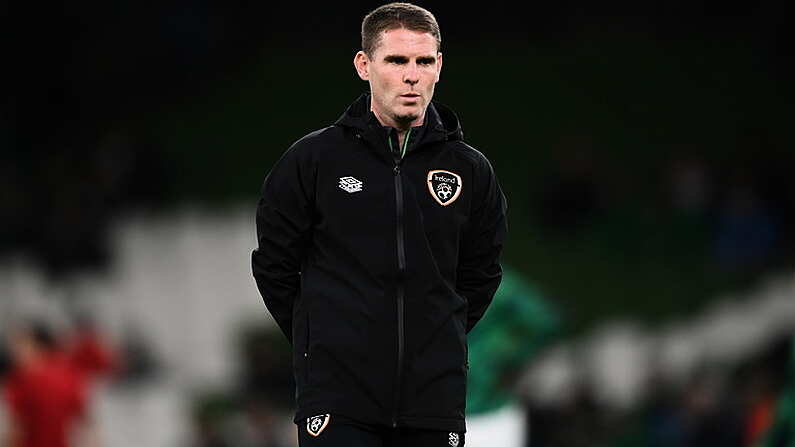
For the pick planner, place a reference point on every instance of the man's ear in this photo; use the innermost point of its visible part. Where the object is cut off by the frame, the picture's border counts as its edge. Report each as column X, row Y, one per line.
column 362, row 64
column 438, row 66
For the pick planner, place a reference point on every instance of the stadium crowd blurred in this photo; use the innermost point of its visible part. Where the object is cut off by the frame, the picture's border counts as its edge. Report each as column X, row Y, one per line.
column 717, row 406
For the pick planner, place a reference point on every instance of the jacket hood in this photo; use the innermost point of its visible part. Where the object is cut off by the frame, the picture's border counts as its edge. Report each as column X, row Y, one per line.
column 442, row 122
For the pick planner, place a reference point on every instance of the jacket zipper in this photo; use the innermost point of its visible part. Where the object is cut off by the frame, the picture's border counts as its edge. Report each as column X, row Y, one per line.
column 401, row 253
column 306, row 351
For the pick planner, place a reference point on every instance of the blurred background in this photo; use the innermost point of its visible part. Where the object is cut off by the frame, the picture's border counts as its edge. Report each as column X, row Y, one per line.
column 646, row 153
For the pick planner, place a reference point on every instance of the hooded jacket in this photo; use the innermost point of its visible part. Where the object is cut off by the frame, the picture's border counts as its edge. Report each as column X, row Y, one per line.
column 376, row 261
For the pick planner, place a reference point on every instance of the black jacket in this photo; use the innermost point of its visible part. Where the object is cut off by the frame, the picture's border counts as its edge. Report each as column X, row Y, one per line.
column 376, row 267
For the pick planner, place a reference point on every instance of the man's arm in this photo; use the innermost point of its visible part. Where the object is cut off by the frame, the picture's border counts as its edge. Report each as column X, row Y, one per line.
column 284, row 222
column 10, row 438
column 10, row 411
column 86, row 434
column 479, row 271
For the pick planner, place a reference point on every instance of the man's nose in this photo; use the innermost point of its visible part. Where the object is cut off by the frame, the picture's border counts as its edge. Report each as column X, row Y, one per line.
column 412, row 75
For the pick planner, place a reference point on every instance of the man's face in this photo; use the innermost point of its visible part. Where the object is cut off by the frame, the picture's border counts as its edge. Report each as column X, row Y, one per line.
column 402, row 73
column 23, row 348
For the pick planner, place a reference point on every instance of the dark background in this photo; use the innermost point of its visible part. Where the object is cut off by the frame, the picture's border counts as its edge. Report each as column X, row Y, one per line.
column 590, row 113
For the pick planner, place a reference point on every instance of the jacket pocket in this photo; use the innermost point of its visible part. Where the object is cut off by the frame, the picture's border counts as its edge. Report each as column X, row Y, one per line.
column 461, row 334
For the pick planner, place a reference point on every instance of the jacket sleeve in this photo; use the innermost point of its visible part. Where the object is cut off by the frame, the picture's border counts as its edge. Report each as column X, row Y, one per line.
column 284, row 223
column 479, row 271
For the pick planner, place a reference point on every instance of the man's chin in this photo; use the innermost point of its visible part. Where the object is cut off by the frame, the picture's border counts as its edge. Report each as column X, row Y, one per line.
column 407, row 115
column 406, row 118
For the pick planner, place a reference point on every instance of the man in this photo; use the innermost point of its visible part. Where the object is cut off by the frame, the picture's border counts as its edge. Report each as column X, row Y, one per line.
column 379, row 239
column 44, row 393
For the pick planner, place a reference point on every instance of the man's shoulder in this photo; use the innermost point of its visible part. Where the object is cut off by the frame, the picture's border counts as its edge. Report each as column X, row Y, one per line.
column 469, row 154
column 309, row 148
column 317, row 139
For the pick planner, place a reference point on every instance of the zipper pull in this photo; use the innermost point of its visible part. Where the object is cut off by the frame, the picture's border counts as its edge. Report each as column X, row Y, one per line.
column 397, row 169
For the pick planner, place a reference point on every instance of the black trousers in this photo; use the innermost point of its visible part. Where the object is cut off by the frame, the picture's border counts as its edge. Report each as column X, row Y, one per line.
column 338, row 431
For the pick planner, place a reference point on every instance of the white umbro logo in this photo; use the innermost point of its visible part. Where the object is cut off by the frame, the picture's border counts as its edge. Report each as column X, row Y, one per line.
column 453, row 439
column 350, row 184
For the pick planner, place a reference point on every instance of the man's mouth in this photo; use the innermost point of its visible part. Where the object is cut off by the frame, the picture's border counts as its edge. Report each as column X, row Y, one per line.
column 410, row 95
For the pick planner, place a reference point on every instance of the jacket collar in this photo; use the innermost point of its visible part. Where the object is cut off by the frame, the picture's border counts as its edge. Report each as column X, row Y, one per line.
column 441, row 123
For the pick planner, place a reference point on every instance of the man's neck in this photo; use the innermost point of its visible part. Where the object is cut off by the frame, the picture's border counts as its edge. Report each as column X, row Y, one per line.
column 401, row 128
